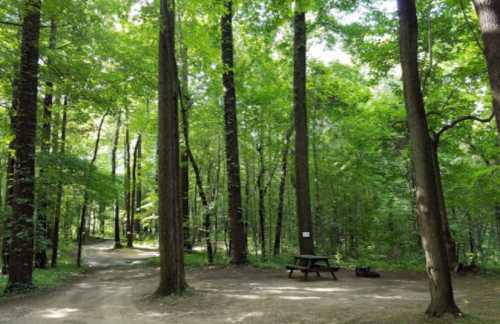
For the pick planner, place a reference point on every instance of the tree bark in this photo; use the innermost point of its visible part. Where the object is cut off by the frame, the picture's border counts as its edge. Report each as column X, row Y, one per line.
column 86, row 198
column 428, row 211
column 42, row 237
column 489, row 22
column 451, row 247
column 172, row 276
column 9, row 190
column 133, row 199
column 59, row 188
column 281, row 199
column 306, row 242
column 237, row 232
column 21, row 249
column 118, row 244
column 199, row 184
column 261, row 196
column 184, row 86
column 127, row 198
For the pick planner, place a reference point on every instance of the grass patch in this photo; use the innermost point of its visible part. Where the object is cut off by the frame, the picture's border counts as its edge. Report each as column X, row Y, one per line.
column 195, row 260
column 53, row 277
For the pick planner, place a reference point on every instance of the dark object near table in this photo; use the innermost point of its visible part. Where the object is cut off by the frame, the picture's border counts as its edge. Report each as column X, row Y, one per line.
column 311, row 263
column 366, row 272
column 467, row 268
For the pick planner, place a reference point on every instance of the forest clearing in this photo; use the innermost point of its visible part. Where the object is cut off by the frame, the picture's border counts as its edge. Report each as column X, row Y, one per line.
column 121, row 293
column 263, row 161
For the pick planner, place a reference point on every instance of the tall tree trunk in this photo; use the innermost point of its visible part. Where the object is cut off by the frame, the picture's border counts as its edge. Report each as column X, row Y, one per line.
column 21, row 249
column 59, row 188
column 116, row 140
column 261, row 198
column 172, row 276
column 127, row 198
column 133, row 199
column 306, row 242
column 184, row 86
column 451, row 247
column 42, row 237
column 238, row 250
column 86, row 198
column 138, row 186
column 281, row 199
column 9, row 191
column 207, row 215
column 489, row 22
column 428, row 211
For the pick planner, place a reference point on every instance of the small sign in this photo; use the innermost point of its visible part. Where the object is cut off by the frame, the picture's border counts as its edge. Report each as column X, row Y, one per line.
column 306, row 234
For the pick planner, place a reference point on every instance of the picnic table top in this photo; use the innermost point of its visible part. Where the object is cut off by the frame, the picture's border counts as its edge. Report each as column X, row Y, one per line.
column 311, row 257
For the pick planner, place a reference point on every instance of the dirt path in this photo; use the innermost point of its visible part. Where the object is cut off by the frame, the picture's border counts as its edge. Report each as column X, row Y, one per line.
column 120, row 293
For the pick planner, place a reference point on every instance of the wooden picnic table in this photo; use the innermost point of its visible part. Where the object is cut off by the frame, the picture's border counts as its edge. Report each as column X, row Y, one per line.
column 311, row 263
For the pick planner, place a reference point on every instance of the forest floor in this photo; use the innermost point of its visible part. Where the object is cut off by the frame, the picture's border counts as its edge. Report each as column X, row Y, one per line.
column 118, row 290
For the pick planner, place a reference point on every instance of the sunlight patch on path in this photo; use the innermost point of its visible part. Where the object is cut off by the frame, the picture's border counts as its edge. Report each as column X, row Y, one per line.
column 56, row 313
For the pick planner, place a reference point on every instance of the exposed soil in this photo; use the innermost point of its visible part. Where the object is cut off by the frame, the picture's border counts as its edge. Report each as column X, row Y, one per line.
column 119, row 291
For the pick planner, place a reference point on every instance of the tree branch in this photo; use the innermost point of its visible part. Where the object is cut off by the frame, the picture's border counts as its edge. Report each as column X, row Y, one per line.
column 10, row 23
column 460, row 120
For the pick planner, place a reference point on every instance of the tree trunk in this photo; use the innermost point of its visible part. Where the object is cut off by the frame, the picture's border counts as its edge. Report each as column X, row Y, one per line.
column 198, row 178
column 127, row 198
column 59, row 189
column 306, row 242
column 86, row 198
column 138, row 186
column 42, row 237
column 184, row 85
column 451, row 247
column 172, row 276
column 133, row 199
column 116, row 140
column 21, row 249
column 9, row 191
column 238, row 250
column 261, row 196
column 428, row 211
column 489, row 22
column 281, row 199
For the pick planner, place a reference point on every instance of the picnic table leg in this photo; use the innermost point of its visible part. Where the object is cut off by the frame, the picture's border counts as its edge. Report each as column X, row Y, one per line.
column 308, row 266
column 332, row 272
column 290, row 274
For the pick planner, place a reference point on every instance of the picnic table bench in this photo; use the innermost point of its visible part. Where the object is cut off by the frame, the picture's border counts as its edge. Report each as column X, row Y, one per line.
column 311, row 263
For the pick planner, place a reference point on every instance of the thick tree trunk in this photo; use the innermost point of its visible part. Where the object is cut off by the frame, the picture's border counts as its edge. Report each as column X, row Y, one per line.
column 116, row 140
column 306, row 242
column 172, row 276
column 237, row 232
column 42, row 237
column 281, row 199
column 21, row 249
column 59, row 189
column 86, row 198
column 489, row 22
column 428, row 211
